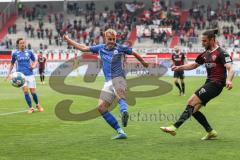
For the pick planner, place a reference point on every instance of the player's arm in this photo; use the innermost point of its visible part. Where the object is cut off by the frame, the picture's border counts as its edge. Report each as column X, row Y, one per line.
column 189, row 66
column 227, row 62
column 9, row 71
column 11, row 66
column 78, row 46
column 230, row 75
column 140, row 59
column 172, row 59
column 185, row 59
column 33, row 65
column 34, row 62
column 46, row 62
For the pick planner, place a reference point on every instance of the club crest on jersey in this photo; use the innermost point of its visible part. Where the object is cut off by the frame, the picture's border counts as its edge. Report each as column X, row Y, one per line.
column 27, row 54
column 214, row 57
column 115, row 52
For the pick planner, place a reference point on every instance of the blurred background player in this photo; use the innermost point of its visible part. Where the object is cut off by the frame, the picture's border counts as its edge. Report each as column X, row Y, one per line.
column 220, row 73
column 41, row 67
column 25, row 63
column 178, row 58
column 112, row 55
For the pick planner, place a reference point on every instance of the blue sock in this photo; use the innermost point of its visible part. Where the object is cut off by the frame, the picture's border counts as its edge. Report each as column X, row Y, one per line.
column 111, row 120
column 35, row 98
column 123, row 105
column 28, row 100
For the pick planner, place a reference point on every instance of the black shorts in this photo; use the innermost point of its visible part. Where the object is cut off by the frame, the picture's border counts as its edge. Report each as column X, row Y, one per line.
column 209, row 91
column 179, row 74
column 41, row 70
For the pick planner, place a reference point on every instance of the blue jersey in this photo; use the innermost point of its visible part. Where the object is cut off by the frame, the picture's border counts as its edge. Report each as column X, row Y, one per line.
column 112, row 60
column 23, row 61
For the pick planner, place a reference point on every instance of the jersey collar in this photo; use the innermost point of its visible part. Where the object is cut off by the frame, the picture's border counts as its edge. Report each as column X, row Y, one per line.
column 105, row 47
column 214, row 49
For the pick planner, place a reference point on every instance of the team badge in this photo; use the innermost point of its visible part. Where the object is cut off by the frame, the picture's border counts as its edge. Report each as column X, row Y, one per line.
column 214, row 57
column 115, row 52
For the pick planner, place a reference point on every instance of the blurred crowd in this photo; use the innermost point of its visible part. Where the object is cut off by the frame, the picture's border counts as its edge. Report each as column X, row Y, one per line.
column 159, row 25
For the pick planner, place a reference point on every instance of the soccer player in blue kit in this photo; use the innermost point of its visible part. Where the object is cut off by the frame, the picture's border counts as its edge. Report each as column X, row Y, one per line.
column 112, row 55
column 25, row 63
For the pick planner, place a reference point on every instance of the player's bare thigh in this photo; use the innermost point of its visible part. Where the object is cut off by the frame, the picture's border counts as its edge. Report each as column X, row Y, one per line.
column 195, row 102
column 103, row 106
column 25, row 89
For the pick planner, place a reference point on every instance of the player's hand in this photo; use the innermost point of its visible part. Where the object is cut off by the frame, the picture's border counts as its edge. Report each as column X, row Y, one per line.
column 175, row 68
column 65, row 37
column 32, row 67
column 145, row 64
column 229, row 85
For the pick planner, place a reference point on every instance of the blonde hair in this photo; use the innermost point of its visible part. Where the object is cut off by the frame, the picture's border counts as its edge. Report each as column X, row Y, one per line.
column 110, row 31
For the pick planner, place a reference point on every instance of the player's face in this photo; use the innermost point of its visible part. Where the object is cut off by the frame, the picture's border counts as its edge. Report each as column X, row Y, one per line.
column 21, row 44
column 177, row 51
column 207, row 43
column 110, row 40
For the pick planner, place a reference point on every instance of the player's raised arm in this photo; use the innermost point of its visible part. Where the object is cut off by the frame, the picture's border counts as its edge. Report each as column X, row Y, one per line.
column 189, row 66
column 78, row 46
column 140, row 59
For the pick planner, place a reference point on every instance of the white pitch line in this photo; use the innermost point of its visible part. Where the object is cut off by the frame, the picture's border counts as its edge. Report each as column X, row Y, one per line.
column 9, row 113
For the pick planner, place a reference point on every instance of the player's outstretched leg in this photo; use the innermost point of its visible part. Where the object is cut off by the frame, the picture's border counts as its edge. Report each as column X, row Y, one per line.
column 111, row 120
column 123, row 110
column 185, row 115
column 193, row 105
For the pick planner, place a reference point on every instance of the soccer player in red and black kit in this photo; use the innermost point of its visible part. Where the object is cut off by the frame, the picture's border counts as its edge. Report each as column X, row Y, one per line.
column 178, row 59
column 41, row 67
column 220, row 73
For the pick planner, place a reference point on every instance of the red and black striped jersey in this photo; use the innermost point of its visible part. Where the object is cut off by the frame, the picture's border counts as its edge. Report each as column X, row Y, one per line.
column 214, row 62
column 41, row 62
column 178, row 59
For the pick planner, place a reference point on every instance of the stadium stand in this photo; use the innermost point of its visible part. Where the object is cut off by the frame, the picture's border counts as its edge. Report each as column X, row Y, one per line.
column 151, row 27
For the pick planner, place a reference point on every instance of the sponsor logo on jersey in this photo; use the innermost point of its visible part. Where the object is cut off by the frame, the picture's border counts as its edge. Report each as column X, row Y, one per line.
column 202, row 90
column 214, row 57
column 210, row 65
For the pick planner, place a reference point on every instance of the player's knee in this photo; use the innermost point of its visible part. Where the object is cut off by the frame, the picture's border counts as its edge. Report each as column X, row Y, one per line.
column 102, row 108
column 121, row 93
column 33, row 91
column 193, row 101
column 25, row 92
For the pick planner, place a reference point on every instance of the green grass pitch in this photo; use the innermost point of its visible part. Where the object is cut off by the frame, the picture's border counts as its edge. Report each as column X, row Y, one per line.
column 42, row 136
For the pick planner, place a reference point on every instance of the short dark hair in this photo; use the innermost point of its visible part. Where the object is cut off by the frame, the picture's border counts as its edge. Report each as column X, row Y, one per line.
column 18, row 40
column 211, row 33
